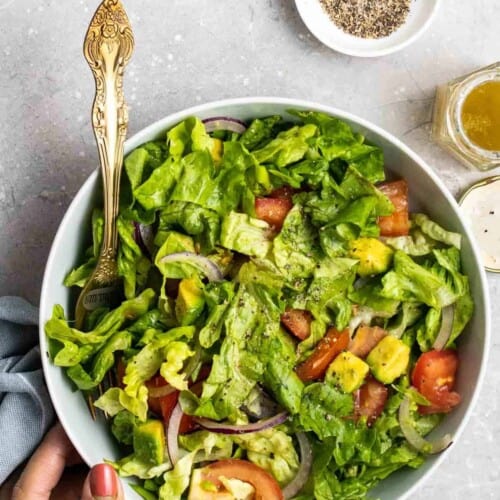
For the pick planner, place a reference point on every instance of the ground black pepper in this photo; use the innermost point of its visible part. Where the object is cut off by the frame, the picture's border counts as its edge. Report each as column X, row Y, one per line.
column 367, row 18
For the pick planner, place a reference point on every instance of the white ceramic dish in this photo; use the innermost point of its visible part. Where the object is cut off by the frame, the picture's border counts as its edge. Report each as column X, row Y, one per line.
column 421, row 14
column 92, row 439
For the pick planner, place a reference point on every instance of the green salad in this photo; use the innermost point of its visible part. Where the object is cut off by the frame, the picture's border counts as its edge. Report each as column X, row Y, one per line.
column 288, row 327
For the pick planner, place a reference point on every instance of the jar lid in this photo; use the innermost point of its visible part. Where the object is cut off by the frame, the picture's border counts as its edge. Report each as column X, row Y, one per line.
column 481, row 209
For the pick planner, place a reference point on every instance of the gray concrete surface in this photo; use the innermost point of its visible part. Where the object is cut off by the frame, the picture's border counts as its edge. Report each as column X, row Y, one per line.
column 193, row 51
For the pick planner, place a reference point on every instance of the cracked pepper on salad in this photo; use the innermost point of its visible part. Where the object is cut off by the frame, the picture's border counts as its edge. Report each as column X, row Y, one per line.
column 288, row 327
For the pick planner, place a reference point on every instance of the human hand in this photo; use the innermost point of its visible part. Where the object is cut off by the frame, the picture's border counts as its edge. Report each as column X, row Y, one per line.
column 41, row 478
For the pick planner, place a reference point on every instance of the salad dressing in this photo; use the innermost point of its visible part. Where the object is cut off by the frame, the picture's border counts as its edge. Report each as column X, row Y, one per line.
column 480, row 115
column 482, row 210
column 466, row 118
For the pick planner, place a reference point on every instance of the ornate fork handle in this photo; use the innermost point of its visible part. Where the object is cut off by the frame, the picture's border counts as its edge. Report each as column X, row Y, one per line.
column 108, row 48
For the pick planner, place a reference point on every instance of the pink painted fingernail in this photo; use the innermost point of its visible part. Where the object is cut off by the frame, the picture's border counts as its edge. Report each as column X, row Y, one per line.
column 103, row 482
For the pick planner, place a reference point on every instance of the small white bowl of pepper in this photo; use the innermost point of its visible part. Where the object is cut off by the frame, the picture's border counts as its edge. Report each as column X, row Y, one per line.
column 367, row 28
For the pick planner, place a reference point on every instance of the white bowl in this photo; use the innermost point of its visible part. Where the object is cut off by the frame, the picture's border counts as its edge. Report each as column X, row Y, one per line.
column 93, row 440
column 322, row 27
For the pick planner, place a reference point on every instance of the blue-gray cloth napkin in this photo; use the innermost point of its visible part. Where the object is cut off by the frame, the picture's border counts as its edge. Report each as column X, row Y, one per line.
column 26, row 412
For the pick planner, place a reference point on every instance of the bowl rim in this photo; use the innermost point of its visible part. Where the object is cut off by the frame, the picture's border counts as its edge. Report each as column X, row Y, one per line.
column 141, row 136
column 308, row 20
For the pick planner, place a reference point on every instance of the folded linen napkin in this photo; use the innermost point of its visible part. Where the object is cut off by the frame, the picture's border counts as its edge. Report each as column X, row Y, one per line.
column 26, row 412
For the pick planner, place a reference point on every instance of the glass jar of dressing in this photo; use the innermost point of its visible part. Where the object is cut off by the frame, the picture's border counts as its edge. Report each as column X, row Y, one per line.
column 466, row 117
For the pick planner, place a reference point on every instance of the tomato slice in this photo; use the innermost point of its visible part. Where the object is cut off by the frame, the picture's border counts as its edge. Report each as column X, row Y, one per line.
column 434, row 377
column 297, row 322
column 266, row 487
column 365, row 339
column 370, row 399
column 273, row 210
column 396, row 224
column 327, row 349
column 165, row 405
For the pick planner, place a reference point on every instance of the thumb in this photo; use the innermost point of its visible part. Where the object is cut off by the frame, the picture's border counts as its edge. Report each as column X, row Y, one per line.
column 102, row 483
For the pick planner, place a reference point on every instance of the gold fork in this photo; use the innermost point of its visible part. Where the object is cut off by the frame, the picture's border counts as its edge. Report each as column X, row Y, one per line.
column 108, row 47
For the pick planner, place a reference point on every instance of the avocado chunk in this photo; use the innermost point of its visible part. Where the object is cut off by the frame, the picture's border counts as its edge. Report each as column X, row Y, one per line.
column 190, row 301
column 216, row 148
column 347, row 371
column 374, row 256
column 389, row 359
column 149, row 442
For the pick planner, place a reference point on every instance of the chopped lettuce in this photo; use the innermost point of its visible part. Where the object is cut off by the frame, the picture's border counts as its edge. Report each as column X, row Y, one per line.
column 245, row 234
column 436, row 232
column 288, row 147
column 176, row 481
column 273, row 450
column 196, row 192
column 175, row 353
column 409, row 281
column 295, row 249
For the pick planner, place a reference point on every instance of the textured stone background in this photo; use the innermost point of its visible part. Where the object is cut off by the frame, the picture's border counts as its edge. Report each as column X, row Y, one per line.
column 193, row 51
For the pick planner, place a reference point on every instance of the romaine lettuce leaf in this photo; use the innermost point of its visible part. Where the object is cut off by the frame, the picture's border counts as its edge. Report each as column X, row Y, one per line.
column 245, row 234
column 210, row 445
column 74, row 346
column 409, row 281
column 288, row 147
column 175, row 354
column 338, row 140
column 273, row 450
column 102, row 362
column 295, row 249
column 202, row 224
column 123, row 425
column 260, row 131
column 322, row 409
column 132, row 466
column 132, row 265
column 176, row 481
column 415, row 244
column 156, row 190
column 218, row 296
column 369, row 294
column 436, row 232
column 354, row 186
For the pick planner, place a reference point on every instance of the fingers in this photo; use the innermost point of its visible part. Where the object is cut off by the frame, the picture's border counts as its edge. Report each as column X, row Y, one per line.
column 102, row 483
column 46, row 466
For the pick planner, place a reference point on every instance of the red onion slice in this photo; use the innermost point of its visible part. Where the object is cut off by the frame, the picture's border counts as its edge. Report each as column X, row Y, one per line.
column 200, row 262
column 447, row 315
column 224, row 123
column 223, row 428
column 297, row 483
column 144, row 236
column 414, row 438
column 173, row 434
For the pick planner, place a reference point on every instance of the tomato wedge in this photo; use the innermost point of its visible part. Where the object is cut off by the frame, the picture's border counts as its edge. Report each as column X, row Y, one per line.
column 365, row 339
column 297, row 322
column 434, row 377
column 369, row 400
column 396, row 224
column 273, row 210
column 165, row 405
column 327, row 349
column 266, row 487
